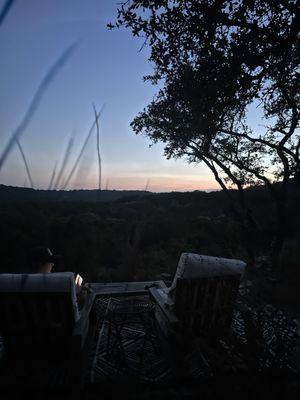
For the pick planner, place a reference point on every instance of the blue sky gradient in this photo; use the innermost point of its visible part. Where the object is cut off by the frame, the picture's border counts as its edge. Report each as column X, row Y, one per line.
column 107, row 67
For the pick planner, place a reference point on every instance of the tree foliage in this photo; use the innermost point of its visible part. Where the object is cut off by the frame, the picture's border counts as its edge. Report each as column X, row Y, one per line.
column 213, row 60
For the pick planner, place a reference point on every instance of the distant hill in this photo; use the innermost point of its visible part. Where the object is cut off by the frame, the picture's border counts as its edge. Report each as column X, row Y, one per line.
column 20, row 194
column 126, row 235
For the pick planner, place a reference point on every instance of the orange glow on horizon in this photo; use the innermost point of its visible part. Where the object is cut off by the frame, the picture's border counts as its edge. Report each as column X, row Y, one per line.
column 155, row 184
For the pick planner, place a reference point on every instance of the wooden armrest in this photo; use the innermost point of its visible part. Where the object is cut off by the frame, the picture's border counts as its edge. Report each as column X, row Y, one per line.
column 86, row 309
column 165, row 308
column 85, row 314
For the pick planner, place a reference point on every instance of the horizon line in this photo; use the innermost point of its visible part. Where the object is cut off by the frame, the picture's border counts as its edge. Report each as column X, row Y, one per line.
column 113, row 189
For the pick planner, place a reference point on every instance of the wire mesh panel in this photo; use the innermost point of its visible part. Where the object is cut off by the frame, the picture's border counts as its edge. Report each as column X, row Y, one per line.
column 128, row 343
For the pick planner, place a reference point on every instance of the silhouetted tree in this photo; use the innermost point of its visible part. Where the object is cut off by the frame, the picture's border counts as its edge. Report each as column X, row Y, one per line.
column 213, row 59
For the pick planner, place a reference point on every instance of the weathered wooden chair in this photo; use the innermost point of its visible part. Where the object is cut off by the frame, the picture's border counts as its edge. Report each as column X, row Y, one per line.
column 42, row 327
column 199, row 302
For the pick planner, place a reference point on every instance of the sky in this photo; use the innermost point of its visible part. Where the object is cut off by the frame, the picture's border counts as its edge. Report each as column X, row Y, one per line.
column 106, row 68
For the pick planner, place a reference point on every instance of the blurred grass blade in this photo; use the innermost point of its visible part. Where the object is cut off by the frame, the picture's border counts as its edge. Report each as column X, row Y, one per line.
column 5, row 10
column 25, row 162
column 52, row 72
column 64, row 163
column 98, row 147
column 52, row 177
column 147, row 185
column 82, row 149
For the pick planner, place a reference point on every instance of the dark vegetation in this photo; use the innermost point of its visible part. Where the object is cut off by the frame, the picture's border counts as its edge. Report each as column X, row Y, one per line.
column 132, row 238
column 213, row 59
column 17, row 194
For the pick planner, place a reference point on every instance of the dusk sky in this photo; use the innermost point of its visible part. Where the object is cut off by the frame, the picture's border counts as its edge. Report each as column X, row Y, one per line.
column 107, row 67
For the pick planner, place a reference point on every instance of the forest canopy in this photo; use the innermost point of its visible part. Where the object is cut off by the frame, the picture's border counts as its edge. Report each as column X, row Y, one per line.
column 214, row 59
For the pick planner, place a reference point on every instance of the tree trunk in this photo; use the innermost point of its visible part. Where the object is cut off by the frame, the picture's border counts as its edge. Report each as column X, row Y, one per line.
column 241, row 212
column 278, row 243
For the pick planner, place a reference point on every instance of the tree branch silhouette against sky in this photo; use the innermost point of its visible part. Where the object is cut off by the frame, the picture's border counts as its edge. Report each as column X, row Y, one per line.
column 107, row 67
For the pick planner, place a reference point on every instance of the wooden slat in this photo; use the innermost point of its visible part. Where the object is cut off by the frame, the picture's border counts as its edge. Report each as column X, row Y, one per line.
column 206, row 304
column 165, row 309
column 124, row 288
